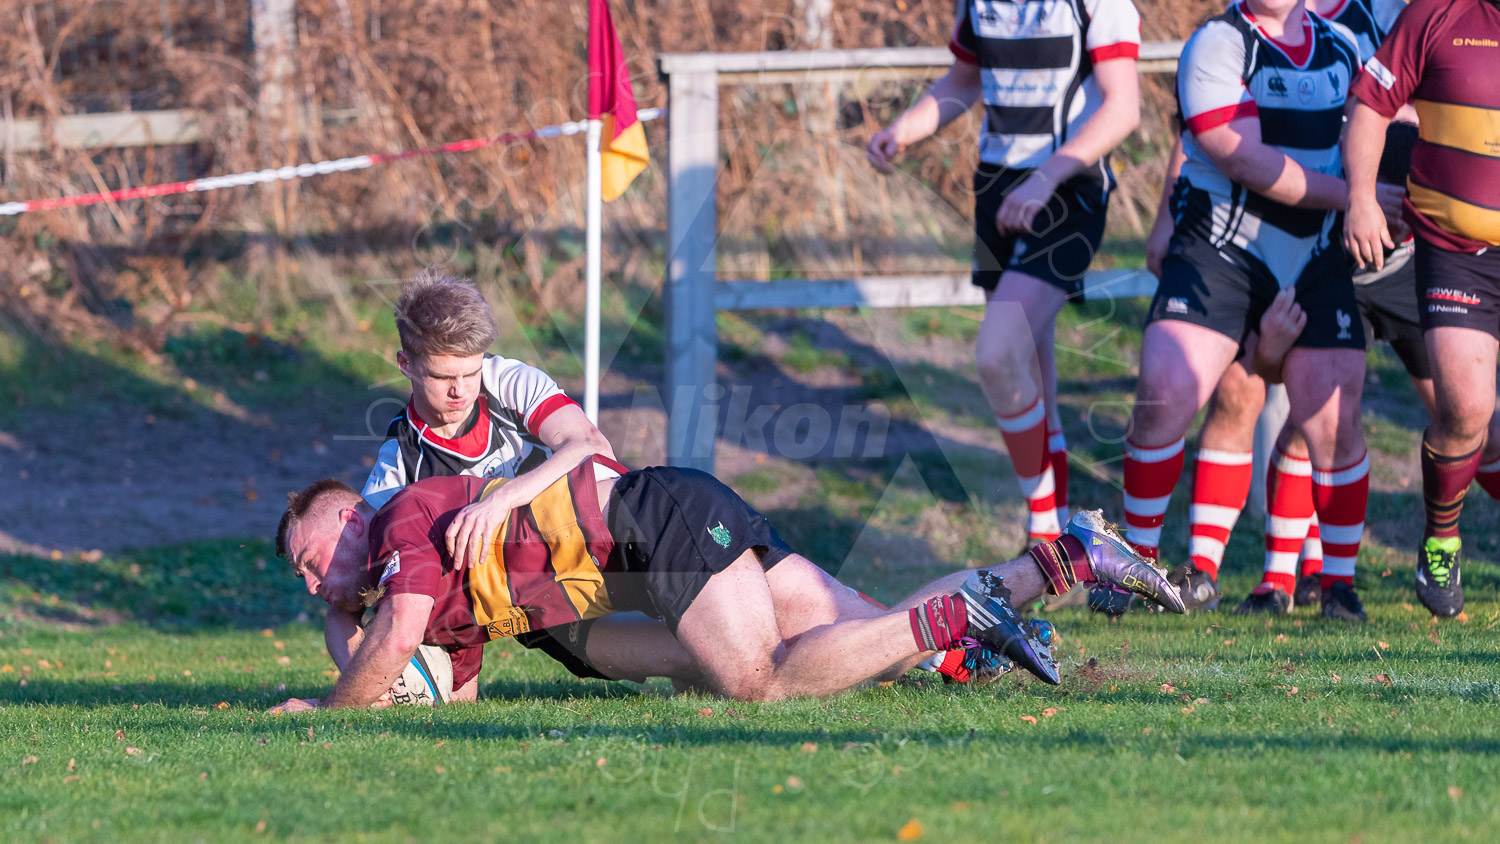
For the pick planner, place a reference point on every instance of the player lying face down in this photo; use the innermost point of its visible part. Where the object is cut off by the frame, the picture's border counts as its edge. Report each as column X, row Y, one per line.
column 675, row 543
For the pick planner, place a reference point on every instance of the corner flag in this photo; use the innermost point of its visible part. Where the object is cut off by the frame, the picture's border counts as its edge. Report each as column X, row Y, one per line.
column 622, row 144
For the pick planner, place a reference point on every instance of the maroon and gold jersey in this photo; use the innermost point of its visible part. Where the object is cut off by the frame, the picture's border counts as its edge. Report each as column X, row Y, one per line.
column 1442, row 56
column 546, row 564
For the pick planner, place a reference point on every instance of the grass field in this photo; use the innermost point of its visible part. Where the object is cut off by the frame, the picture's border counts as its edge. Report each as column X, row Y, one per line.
column 133, row 686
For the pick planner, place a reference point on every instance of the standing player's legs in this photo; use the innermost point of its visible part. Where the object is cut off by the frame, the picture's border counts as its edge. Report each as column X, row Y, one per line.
column 1018, row 374
column 1181, row 363
column 1289, row 513
column 1222, row 471
column 1324, row 387
column 1463, row 362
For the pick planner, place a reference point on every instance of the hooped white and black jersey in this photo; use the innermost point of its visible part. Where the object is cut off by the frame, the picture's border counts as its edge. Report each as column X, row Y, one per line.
column 1369, row 20
column 500, row 440
column 1036, row 59
column 1231, row 70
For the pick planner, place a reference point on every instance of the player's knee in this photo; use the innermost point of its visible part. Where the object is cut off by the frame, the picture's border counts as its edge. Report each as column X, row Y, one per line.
column 1005, row 363
column 755, row 683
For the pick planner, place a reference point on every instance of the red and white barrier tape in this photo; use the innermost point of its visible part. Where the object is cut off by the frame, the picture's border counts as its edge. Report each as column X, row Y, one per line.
column 300, row 171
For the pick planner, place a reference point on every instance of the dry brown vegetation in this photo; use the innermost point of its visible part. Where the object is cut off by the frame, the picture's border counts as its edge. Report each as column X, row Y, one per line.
column 385, row 75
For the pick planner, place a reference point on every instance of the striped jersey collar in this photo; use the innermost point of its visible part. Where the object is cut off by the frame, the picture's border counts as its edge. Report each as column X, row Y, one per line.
column 1298, row 55
column 472, row 444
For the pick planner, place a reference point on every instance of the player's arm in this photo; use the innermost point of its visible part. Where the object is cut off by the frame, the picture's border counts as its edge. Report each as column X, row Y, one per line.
column 1162, row 229
column 342, row 635
column 571, row 437
column 1366, row 235
column 1118, row 115
column 1237, row 150
column 950, row 96
column 389, row 642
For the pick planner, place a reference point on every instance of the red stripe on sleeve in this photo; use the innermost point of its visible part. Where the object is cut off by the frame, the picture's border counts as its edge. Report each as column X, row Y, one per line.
column 549, row 406
column 962, row 53
column 1121, row 50
column 1215, row 118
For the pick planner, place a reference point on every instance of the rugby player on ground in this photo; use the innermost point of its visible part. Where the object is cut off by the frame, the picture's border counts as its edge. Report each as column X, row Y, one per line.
column 1442, row 56
column 472, row 413
column 759, row 621
column 1261, row 89
column 487, row 416
column 1060, row 91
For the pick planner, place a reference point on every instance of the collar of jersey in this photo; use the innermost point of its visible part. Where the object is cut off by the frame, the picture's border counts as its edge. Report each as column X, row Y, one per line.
column 1305, row 48
column 471, row 445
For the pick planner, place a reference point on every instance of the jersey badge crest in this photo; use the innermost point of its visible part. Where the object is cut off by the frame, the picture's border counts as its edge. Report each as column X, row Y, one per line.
column 392, row 567
column 720, row 535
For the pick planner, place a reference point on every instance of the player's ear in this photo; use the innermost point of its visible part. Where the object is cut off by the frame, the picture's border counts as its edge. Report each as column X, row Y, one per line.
column 354, row 520
column 404, row 363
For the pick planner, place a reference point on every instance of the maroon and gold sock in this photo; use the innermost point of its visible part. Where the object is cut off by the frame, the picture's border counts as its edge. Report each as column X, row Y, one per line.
column 1445, row 481
column 1064, row 562
column 939, row 623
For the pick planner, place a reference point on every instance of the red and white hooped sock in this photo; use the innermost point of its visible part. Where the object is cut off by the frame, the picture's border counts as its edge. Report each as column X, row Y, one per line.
column 1289, row 511
column 1057, row 452
column 1489, row 478
column 1221, row 483
column 1340, row 496
column 1025, row 436
column 1310, row 561
column 1150, row 476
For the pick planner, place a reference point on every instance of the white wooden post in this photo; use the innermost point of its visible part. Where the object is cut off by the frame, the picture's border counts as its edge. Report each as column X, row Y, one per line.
column 691, row 323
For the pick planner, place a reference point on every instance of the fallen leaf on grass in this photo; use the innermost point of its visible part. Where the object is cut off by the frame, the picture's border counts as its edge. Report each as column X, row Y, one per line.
column 910, row 832
column 132, row 751
column 600, row 763
column 260, row 827
column 705, row 712
column 278, row 646
column 1281, row 637
column 309, row 733
column 223, row 704
column 327, row 746
column 1383, row 645
column 1386, row 573
column 1228, row 642
column 809, row 747
column 7, row 669
column 1407, row 607
column 1168, row 688
column 794, row 783
column 439, row 769
column 27, row 760
column 284, row 660
column 1050, row 711
column 119, row 735
column 72, row 778
column 1198, row 701
column 960, row 806
column 1030, row 719
column 1336, row 676
column 1454, row 792
column 1381, row 678
column 1293, row 690
column 203, row 776
column 72, row 763
column 1463, row 618
column 1145, row 731
column 777, row 788
column 1188, row 710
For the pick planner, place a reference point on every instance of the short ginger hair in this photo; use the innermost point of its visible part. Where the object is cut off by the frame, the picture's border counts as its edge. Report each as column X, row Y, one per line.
column 441, row 314
column 316, row 501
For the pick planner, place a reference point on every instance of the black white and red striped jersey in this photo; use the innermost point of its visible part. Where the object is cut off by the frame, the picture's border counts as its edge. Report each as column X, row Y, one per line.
column 500, row 439
column 1231, row 70
column 1036, row 59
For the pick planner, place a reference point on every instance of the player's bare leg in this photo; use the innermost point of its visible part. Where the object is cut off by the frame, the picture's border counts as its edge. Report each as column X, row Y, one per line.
column 1323, row 392
column 1463, row 374
column 1018, row 375
column 634, row 646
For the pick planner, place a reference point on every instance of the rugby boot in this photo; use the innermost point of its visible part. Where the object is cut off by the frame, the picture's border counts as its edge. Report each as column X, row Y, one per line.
column 1309, row 590
column 976, row 666
column 1438, row 584
column 994, row 624
column 1199, row 591
column 1341, row 602
column 1110, row 600
column 1117, row 564
column 1266, row 598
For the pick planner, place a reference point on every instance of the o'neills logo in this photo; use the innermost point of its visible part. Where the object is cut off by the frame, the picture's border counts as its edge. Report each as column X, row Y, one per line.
column 1475, row 42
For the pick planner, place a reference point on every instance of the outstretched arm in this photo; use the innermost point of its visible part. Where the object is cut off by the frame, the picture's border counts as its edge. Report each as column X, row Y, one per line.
column 948, row 97
column 388, row 644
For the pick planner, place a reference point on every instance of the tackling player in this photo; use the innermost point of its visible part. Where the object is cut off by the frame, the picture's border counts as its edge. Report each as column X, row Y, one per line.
column 1442, row 57
column 759, row 621
column 1060, row 90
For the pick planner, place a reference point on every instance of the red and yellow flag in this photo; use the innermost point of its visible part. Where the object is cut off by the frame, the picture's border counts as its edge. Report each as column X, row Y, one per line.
column 622, row 145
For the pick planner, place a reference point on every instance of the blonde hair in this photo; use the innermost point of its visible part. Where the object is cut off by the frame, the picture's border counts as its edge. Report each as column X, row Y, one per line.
column 441, row 314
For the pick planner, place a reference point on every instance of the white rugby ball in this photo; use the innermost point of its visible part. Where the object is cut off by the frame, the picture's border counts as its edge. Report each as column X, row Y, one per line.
column 427, row 680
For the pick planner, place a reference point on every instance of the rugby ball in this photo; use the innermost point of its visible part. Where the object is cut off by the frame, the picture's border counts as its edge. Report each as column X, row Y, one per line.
column 427, row 680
